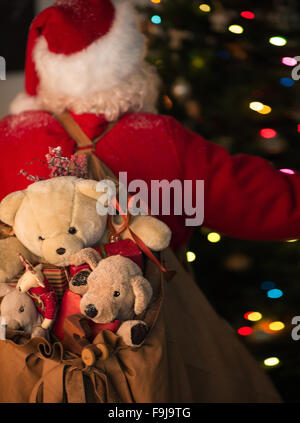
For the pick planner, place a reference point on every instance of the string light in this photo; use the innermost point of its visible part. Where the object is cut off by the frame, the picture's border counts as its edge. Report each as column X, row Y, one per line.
column 289, row 61
column 288, row 171
column 213, row 237
column 156, row 19
column 287, row 82
column 190, row 256
column 275, row 293
column 245, row 331
column 198, row 62
column 259, row 107
column 205, row 8
column 265, row 110
column 247, row 14
column 253, row 316
column 224, row 54
column 276, row 326
column 256, row 106
column 271, row 361
column 268, row 133
column 278, row 41
column 236, row 29
column 267, row 285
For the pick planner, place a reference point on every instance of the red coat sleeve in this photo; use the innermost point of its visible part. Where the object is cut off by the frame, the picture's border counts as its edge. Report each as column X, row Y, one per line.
column 245, row 196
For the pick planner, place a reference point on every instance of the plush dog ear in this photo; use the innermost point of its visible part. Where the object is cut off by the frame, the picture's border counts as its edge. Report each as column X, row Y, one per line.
column 143, row 293
column 86, row 256
column 9, row 207
column 5, row 289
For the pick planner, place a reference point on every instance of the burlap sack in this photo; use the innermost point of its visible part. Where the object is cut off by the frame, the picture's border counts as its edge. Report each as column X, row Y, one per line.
column 190, row 355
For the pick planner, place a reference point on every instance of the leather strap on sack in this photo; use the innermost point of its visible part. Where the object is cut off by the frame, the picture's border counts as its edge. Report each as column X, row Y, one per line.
column 98, row 171
column 96, row 168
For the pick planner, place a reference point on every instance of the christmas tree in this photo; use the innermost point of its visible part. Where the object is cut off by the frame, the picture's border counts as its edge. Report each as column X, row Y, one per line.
column 229, row 72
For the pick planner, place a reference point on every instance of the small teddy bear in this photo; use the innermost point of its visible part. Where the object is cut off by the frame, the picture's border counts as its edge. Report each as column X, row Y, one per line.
column 18, row 312
column 35, row 284
column 117, row 290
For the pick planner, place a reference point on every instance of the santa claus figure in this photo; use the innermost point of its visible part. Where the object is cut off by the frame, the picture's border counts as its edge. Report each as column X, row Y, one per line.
column 88, row 57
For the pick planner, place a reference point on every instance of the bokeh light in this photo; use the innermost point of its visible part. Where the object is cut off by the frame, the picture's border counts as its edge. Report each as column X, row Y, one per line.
column 156, row 19
column 253, row 316
column 268, row 285
column 190, row 256
column 271, row 361
column 275, row 293
column 256, row 106
column 247, row 14
column 236, row 29
column 278, row 41
column 287, row 82
column 288, row 171
column 268, row 133
column 276, row 326
column 213, row 237
column 289, row 61
column 265, row 110
column 205, row 7
column 245, row 331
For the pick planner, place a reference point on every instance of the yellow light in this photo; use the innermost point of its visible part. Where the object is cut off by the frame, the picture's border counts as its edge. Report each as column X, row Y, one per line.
column 190, row 256
column 276, row 326
column 255, row 316
column 205, row 7
column 265, row 110
column 236, row 29
column 198, row 62
column 256, row 106
column 214, row 237
column 278, row 41
column 156, row 1
column 271, row 361
column 292, row 240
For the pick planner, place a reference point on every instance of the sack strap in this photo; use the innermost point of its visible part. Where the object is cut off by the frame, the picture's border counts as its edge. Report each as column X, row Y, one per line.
column 98, row 171
column 96, row 168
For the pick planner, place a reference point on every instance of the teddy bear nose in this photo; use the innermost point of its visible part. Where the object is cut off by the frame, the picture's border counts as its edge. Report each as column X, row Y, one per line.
column 61, row 251
column 91, row 311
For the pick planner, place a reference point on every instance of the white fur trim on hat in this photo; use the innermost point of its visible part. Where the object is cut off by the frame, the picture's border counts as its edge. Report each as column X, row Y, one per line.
column 101, row 66
column 24, row 102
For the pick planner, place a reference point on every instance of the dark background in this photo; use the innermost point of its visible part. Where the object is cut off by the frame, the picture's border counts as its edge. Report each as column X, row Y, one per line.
column 210, row 76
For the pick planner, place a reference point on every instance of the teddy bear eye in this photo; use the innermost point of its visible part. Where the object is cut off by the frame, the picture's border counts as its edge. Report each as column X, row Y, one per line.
column 72, row 230
column 41, row 238
column 116, row 293
column 21, row 309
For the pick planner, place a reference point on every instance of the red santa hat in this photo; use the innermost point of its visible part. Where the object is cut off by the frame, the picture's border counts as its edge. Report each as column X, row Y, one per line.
column 80, row 46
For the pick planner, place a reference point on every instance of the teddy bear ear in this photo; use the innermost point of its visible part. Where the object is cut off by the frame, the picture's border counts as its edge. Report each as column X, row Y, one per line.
column 9, row 207
column 88, row 188
column 5, row 289
column 143, row 293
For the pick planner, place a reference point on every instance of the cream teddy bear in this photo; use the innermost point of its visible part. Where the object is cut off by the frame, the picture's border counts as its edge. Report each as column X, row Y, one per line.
column 54, row 219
